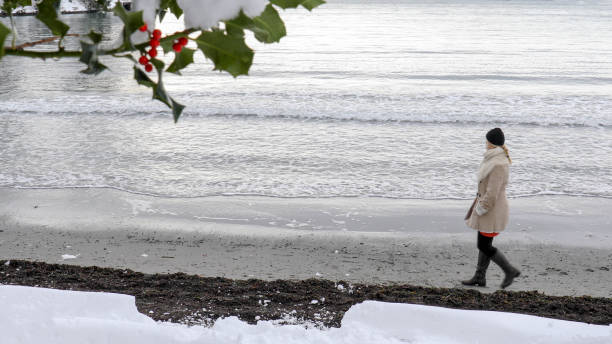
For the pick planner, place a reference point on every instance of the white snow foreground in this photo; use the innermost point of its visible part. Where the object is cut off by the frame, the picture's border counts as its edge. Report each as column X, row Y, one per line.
column 37, row 315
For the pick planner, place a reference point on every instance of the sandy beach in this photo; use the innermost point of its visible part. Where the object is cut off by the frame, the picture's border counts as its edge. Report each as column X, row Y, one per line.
column 561, row 244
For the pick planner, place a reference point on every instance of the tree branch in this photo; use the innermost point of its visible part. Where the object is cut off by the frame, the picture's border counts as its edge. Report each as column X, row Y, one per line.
column 43, row 54
column 46, row 40
column 19, row 51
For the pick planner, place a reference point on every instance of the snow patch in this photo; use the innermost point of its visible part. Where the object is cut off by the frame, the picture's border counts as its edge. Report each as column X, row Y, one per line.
column 38, row 315
column 149, row 14
column 204, row 14
column 199, row 14
column 69, row 256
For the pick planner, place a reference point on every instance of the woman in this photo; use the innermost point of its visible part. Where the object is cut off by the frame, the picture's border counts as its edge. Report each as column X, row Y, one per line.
column 489, row 212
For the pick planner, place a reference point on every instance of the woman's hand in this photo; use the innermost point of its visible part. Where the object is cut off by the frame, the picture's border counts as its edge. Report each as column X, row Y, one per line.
column 480, row 210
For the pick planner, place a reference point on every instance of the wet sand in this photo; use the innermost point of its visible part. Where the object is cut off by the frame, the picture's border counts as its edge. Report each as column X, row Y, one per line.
column 562, row 244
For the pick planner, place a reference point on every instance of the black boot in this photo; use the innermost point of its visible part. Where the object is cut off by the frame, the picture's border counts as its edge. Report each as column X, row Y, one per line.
column 510, row 271
column 481, row 271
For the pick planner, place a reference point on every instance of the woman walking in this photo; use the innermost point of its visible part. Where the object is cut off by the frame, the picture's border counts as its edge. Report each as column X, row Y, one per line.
column 489, row 211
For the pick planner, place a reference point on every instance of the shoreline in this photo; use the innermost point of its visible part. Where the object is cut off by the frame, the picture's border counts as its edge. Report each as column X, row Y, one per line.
column 264, row 196
column 561, row 244
column 196, row 300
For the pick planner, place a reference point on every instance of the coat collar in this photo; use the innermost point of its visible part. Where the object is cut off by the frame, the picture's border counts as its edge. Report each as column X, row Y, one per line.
column 492, row 157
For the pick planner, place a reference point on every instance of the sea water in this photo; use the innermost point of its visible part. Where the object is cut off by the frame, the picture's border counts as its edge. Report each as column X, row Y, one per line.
column 362, row 98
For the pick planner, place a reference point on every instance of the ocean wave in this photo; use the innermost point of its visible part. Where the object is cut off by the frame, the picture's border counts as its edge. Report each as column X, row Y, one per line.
column 466, row 119
column 359, row 75
column 455, row 109
column 432, row 120
column 304, row 196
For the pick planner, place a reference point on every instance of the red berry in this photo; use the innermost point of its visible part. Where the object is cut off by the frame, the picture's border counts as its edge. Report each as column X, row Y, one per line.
column 177, row 47
column 143, row 28
column 143, row 60
column 157, row 34
column 154, row 43
column 149, row 67
column 183, row 41
column 153, row 53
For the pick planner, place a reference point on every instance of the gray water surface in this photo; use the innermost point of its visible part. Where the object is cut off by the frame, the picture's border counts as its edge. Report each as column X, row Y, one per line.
column 363, row 98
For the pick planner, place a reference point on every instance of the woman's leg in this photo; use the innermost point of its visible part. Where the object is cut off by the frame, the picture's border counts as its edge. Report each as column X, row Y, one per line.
column 510, row 271
column 487, row 253
column 484, row 249
column 485, row 245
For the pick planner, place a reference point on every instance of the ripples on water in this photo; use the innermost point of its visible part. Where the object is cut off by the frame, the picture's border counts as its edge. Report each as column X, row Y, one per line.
column 373, row 98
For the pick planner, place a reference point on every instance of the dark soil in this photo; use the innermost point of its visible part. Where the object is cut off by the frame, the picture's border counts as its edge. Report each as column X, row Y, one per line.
column 201, row 300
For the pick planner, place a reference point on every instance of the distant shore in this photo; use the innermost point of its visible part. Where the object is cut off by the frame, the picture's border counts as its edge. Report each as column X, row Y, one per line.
column 191, row 299
column 82, row 8
column 25, row 14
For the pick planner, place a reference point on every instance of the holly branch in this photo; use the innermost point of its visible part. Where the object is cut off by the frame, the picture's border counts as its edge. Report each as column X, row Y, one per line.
column 224, row 43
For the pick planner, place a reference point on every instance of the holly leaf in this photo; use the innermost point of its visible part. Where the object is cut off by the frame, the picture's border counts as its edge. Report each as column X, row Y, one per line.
column 177, row 109
column 132, row 21
column 228, row 52
column 89, row 55
column 235, row 29
column 142, row 78
column 173, row 6
column 307, row 4
column 166, row 45
column 90, row 58
column 95, row 37
column 159, row 92
column 271, row 27
column 48, row 15
column 159, row 65
column 4, row 31
column 181, row 60
column 268, row 27
column 311, row 4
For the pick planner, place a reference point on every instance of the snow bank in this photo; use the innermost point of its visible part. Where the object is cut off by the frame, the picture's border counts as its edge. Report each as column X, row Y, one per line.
column 36, row 315
column 426, row 324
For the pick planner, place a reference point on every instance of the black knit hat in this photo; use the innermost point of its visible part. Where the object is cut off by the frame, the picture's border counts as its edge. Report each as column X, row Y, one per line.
column 496, row 137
